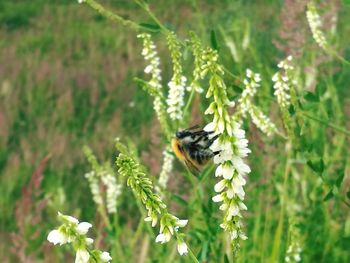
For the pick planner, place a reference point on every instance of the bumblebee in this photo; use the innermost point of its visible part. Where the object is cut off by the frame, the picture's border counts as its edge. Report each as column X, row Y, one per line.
column 191, row 146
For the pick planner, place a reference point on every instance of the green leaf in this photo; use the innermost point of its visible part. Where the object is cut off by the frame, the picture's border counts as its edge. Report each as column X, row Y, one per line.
column 329, row 195
column 291, row 110
column 340, row 179
column 213, row 40
column 150, row 27
column 236, row 89
column 179, row 200
column 348, row 194
column 316, row 166
column 311, row 97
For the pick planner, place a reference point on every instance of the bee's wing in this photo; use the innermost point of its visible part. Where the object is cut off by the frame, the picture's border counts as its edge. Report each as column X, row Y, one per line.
column 192, row 167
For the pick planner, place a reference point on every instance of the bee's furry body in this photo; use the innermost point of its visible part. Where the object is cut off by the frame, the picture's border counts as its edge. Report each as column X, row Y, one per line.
column 191, row 146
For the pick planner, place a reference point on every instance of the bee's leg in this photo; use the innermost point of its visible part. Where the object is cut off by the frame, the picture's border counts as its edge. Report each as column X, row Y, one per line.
column 210, row 142
column 216, row 153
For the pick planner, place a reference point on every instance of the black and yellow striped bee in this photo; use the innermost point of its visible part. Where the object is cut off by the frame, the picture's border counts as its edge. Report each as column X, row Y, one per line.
column 191, row 146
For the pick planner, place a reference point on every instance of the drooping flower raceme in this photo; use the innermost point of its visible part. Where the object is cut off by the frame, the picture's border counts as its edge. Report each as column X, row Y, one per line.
column 315, row 24
column 156, row 209
column 102, row 174
column 232, row 146
column 251, row 83
column 167, row 167
column 293, row 253
column 71, row 231
column 150, row 55
column 282, row 82
column 177, row 83
column 198, row 62
column 245, row 104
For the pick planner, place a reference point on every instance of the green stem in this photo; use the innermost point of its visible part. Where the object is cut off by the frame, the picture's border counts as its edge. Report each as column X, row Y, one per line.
column 278, row 234
column 145, row 7
column 108, row 14
column 334, row 126
column 189, row 102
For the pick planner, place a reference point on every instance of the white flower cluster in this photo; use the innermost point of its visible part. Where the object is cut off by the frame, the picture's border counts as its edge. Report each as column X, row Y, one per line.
column 315, row 24
column 245, row 104
column 198, row 61
column 94, row 187
column 232, row 169
column 156, row 209
column 232, row 148
column 177, row 83
column 71, row 231
column 282, row 82
column 167, row 167
column 293, row 253
column 175, row 99
column 169, row 224
column 81, row 1
column 150, row 54
column 262, row 121
column 251, row 83
column 113, row 189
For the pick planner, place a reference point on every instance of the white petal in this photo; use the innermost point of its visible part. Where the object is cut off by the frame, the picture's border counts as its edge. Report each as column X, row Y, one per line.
column 160, row 238
column 211, row 126
column 230, row 193
column 105, row 257
column 217, row 198
column 233, row 234
column 181, row 223
column 89, row 241
column 220, row 186
column 182, row 248
column 83, row 228
column 57, row 237
column 218, row 171
column 82, row 256
column 227, row 171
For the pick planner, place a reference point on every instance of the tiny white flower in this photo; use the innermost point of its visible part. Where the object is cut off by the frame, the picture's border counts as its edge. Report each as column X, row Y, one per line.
column 243, row 236
column 83, row 228
column 182, row 248
column 217, row 198
column 82, row 256
column 89, row 241
column 297, row 257
column 210, row 127
column 57, row 237
column 182, row 222
column 220, row 186
column 105, row 257
column 70, row 219
column 227, row 171
column 163, row 238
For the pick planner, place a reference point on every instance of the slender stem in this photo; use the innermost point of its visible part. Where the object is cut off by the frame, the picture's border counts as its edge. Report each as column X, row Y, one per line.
column 145, row 7
column 114, row 17
column 189, row 102
column 334, row 126
column 277, row 240
column 192, row 256
column 230, row 73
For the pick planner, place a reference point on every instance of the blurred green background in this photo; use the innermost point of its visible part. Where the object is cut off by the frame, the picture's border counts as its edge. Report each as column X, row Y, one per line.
column 66, row 80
